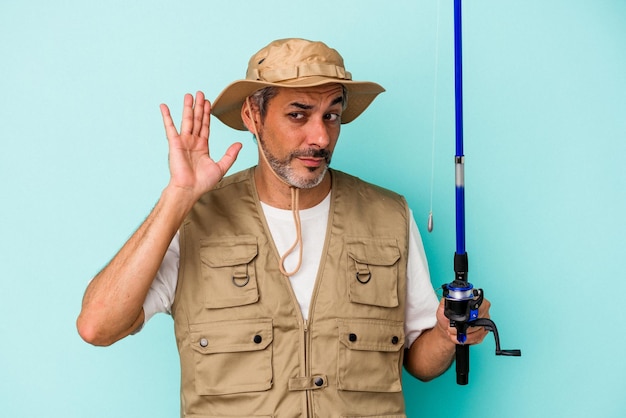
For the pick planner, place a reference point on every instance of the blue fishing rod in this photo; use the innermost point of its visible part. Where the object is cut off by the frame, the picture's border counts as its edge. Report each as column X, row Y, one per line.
column 462, row 300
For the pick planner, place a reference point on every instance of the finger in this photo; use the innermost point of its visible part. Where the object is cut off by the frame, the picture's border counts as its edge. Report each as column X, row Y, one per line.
column 198, row 113
column 474, row 331
column 477, row 337
column 187, row 122
column 206, row 120
column 483, row 311
column 229, row 157
column 168, row 123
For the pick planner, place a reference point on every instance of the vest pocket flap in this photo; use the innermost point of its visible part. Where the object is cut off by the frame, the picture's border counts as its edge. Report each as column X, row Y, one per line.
column 370, row 347
column 228, row 251
column 231, row 336
column 377, row 252
column 372, row 271
column 228, row 266
column 371, row 334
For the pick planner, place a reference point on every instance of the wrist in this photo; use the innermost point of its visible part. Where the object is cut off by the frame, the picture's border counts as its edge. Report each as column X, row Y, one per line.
column 448, row 339
column 178, row 200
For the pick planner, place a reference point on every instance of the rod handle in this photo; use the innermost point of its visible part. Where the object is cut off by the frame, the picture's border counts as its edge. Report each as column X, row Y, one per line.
column 462, row 364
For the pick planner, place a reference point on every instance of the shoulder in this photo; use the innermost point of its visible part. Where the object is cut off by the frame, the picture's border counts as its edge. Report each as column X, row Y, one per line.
column 235, row 184
column 243, row 176
column 369, row 201
column 232, row 195
column 352, row 183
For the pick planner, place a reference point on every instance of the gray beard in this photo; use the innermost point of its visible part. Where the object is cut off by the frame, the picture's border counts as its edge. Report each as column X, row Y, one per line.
column 285, row 172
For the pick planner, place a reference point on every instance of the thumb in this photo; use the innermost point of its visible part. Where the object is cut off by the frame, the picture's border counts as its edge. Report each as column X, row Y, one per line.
column 229, row 157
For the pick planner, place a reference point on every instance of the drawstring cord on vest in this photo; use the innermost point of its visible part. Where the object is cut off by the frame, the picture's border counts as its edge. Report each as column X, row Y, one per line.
column 295, row 203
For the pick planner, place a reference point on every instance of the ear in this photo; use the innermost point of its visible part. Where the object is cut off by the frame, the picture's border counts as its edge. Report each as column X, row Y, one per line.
column 250, row 116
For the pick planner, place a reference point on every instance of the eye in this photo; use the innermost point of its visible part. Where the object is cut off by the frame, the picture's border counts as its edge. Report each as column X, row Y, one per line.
column 332, row 117
column 296, row 115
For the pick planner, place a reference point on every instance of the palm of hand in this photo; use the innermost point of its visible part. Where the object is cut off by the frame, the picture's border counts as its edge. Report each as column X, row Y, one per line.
column 191, row 166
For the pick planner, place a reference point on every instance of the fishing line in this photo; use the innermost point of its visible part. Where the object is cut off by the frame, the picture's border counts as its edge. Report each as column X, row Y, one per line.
column 430, row 224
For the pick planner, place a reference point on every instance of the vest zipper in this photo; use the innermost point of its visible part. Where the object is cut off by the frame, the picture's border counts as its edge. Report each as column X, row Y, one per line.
column 307, row 349
column 313, row 302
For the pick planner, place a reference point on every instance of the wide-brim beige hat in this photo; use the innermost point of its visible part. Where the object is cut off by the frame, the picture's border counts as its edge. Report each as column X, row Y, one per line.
column 294, row 63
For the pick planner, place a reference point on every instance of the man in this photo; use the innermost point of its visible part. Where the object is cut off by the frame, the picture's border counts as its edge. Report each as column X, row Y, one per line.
column 296, row 290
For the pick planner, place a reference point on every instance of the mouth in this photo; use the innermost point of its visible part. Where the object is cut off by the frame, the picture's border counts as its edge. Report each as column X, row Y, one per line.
column 312, row 163
column 313, row 159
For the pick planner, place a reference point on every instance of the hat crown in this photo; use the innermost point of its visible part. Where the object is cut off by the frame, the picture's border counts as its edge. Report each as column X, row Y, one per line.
column 294, row 58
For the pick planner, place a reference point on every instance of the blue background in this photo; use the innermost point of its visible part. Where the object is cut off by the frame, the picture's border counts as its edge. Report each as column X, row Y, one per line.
column 83, row 159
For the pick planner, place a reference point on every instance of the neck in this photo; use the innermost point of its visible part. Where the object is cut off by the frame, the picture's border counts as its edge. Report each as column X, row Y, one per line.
column 276, row 193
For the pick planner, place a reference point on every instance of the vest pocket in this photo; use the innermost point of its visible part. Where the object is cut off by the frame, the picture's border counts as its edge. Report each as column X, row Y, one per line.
column 373, row 271
column 228, row 271
column 370, row 355
column 232, row 356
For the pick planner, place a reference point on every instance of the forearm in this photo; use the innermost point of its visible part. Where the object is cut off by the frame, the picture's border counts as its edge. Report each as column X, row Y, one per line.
column 113, row 302
column 430, row 355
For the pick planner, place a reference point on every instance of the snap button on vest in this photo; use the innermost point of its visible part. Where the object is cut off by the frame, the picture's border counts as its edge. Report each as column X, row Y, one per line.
column 204, row 342
column 319, row 381
column 394, row 340
column 352, row 337
column 258, row 339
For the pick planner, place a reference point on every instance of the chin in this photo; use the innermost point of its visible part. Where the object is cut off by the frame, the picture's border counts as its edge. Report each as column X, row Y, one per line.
column 311, row 179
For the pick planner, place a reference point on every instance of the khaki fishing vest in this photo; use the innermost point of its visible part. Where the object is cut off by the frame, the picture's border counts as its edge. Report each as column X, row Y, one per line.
column 244, row 347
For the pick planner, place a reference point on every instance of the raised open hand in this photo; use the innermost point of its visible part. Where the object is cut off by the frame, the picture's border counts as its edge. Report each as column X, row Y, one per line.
column 191, row 166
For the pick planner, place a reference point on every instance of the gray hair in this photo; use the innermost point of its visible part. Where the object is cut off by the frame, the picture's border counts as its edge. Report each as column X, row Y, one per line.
column 261, row 98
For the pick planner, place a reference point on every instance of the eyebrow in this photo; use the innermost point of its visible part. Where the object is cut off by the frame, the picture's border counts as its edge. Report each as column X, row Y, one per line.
column 300, row 106
column 338, row 99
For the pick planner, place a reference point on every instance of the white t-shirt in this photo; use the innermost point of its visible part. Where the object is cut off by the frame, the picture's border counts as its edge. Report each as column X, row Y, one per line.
column 422, row 303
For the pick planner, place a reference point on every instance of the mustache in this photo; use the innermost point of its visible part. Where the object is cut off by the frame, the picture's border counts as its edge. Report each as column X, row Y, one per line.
column 312, row 153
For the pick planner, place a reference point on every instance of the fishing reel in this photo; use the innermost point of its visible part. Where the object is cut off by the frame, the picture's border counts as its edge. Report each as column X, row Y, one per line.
column 461, row 305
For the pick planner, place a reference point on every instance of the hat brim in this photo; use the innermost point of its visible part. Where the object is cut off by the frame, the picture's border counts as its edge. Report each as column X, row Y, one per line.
column 227, row 106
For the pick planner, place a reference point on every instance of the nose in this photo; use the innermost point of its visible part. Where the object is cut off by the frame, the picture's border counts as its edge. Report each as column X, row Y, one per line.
column 320, row 134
